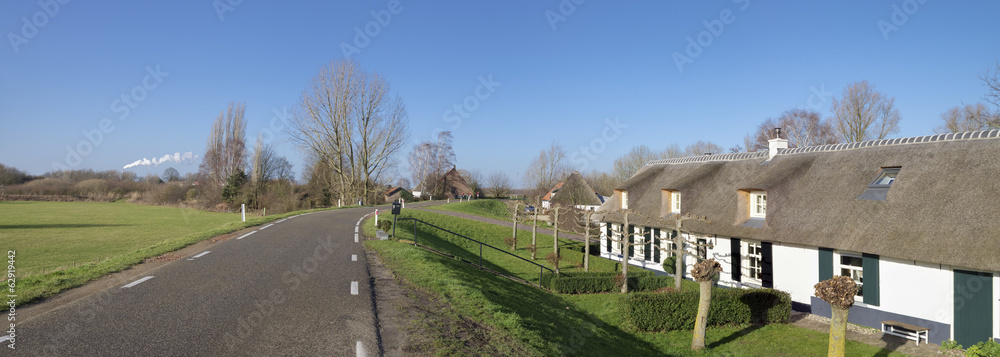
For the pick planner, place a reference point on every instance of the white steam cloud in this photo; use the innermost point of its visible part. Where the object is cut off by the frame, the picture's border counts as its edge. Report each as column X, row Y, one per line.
column 156, row 161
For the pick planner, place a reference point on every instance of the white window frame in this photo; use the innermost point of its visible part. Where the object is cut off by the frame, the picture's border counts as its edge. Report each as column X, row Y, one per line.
column 624, row 199
column 675, row 202
column 758, row 209
column 852, row 269
column 751, row 260
column 667, row 243
column 640, row 249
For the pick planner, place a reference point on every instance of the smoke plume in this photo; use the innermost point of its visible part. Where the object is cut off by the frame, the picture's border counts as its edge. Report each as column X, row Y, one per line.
column 156, row 161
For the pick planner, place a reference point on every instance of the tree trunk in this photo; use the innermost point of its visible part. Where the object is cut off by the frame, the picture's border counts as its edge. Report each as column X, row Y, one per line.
column 513, row 244
column 586, row 248
column 701, row 320
column 626, row 239
column 555, row 240
column 838, row 331
column 534, row 232
column 679, row 261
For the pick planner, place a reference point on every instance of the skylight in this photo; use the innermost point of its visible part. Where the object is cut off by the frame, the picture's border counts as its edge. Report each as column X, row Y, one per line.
column 886, row 178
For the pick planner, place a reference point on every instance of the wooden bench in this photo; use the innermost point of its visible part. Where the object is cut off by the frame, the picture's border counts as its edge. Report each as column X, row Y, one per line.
column 907, row 331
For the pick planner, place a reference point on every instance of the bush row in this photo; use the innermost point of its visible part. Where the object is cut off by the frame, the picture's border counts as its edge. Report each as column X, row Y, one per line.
column 677, row 310
column 599, row 282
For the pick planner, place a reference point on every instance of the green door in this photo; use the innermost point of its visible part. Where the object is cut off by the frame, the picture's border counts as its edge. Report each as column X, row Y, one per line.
column 973, row 307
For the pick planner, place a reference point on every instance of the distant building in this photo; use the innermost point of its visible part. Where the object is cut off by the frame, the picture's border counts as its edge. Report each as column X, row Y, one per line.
column 573, row 191
column 393, row 194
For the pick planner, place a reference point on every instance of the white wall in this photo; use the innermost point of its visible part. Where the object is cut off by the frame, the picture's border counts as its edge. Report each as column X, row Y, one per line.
column 920, row 290
column 996, row 305
column 796, row 270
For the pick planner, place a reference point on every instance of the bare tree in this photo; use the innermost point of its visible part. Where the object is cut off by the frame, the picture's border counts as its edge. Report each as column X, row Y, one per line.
column 585, row 224
column 630, row 163
column 283, row 169
column 626, row 238
column 702, row 147
column 226, row 152
column 262, row 168
column 475, row 180
column 839, row 293
column 545, row 170
column 801, row 127
column 865, row 114
column 991, row 79
column 430, row 159
column 500, row 184
column 969, row 117
column 170, row 175
column 602, row 182
column 348, row 119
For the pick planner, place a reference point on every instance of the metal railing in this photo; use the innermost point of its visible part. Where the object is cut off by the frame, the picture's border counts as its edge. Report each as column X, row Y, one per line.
column 541, row 268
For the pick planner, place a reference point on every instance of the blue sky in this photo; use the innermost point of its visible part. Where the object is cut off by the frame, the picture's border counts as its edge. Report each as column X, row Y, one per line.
column 557, row 81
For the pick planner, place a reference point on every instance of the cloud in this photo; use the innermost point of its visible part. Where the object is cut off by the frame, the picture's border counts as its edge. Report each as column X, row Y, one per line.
column 177, row 157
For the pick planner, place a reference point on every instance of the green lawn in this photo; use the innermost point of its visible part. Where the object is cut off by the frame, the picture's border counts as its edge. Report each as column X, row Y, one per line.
column 489, row 208
column 60, row 245
column 525, row 320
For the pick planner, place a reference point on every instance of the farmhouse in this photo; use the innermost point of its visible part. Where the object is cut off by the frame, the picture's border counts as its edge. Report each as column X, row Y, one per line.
column 914, row 221
column 575, row 192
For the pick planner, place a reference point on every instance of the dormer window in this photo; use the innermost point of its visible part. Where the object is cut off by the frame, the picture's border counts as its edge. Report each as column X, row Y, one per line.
column 878, row 190
column 675, row 202
column 758, row 204
column 624, row 198
column 671, row 202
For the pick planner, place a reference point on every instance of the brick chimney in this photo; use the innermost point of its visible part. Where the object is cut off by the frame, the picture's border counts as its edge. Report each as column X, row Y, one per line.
column 775, row 144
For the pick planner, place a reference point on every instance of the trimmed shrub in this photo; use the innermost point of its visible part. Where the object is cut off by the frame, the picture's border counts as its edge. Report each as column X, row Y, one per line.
column 676, row 310
column 670, row 265
column 385, row 225
column 599, row 282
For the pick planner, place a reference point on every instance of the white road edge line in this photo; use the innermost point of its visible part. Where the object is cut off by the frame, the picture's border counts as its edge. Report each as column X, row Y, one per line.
column 137, row 282
column 354, row 288
column 355, row 237
column 265, row 227
column 7, row 337
column 246, row 235
column 356, row 229
column 358, row 351
column 202, row 254
column 281, row 220
column 354, row 257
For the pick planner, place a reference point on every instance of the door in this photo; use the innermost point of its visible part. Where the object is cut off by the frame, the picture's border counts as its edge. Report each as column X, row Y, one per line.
column 973, row 307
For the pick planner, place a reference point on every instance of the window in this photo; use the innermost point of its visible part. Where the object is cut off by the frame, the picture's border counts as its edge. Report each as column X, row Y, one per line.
column 666, row 242
column 851, row 266
column 616, row 236
column 624, row 196
column 758, row 204
column 752, row 259
column 675, row 202
column 886, row 178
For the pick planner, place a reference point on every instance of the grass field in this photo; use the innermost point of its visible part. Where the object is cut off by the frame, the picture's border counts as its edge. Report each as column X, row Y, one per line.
column 525, row 320
column 488, row 208
column 60, row 245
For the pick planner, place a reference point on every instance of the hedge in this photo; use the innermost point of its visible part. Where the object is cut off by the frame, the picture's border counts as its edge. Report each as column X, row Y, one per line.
column 676, row 310
column 597, row 282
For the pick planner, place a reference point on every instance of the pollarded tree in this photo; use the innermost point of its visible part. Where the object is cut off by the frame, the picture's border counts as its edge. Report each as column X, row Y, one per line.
column 704, row 273
column 839, row 292
column 584, row 225
column 627, row 238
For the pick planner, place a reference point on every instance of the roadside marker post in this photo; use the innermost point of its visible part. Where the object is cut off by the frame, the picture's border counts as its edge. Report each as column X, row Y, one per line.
column 243, row 211
column 376, row 218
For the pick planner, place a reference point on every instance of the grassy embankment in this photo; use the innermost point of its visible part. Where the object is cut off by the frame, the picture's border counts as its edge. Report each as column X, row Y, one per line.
column 489, row 208
column 525, row 320
column 61, row 245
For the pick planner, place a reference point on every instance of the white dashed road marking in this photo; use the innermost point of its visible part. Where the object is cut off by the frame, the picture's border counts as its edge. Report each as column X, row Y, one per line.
column 7, row 337
column 281, row 220
column 360, row 350
column 354, row 288
column 354, row 257
column 355, row 229
column 202, row 254
column 246, row 235
column 137, row 282
column 355, row 237
column 265, row 227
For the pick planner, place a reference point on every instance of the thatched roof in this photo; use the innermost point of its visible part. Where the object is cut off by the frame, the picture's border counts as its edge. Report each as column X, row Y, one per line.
column 454, row 185
column 943, row 207
column 574, row 190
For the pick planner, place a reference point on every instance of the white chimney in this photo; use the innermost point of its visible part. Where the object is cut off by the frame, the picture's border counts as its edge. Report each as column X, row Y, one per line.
column 774, row 144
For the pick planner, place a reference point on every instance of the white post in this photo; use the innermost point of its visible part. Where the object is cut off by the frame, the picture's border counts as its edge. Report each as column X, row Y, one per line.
column 243, row 211
column 376, row 218
column 402, row 203
column 338, row 203
column 265, row 211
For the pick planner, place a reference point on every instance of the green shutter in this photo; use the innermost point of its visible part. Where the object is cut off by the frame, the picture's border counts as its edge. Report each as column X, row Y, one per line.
column 607, row 241
column 973, row 297
column 657, row 243
column 735, row 257
column 631, row 240
column 766, row 265
column 825, row 264
column 647, row 235
column 869, row 267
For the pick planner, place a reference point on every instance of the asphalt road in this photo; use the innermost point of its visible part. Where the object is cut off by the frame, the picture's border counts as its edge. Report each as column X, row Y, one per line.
column 299, row 287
